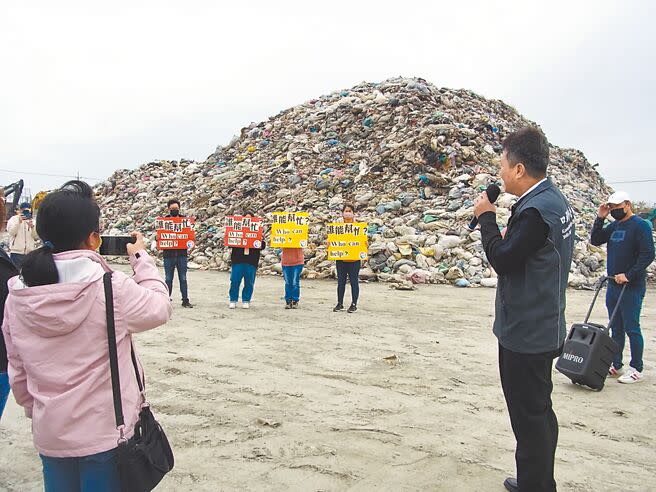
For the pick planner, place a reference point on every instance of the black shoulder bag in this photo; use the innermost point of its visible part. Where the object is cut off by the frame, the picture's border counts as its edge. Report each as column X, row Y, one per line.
column 144, row 459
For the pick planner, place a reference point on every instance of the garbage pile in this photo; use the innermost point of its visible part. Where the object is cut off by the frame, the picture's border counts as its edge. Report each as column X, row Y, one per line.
column 410, row 156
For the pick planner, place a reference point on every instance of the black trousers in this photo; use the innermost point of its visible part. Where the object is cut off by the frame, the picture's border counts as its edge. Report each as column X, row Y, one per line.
column 352, row 270
column 527, row 386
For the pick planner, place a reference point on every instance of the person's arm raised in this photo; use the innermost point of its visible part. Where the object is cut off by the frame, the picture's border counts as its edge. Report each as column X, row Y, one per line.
column 144, row 298
column 600, row 234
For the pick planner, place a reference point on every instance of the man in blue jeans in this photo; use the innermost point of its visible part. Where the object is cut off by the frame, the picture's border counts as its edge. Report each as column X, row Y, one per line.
column 630, row 251
column 176, row 258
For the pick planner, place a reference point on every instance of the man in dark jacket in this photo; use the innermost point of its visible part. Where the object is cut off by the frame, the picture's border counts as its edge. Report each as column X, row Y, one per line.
column 7, row 271
column 176, row 258
column 533, row 261
column 630, row 252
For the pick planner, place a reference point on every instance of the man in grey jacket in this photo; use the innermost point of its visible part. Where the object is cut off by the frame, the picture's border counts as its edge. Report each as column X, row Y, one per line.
column 533, row 261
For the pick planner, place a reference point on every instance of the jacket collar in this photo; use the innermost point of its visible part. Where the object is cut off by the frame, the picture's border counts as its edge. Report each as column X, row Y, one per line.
column 544, row 185
column 83, row 253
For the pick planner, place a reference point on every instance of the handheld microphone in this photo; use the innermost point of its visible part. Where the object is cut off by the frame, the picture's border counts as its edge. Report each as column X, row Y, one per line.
column 492, row 193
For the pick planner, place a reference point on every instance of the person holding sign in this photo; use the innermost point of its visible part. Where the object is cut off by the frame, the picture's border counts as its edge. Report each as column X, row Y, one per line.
column 348, row 268
column 176, row 258
column 244, row 266
column 293, row 261
column 289, row 232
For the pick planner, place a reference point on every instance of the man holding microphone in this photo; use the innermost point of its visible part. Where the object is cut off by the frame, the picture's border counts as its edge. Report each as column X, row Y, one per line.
column 532, row 260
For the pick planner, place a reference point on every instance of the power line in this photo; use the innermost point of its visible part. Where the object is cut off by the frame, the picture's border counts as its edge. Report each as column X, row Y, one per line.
column 50, row 175
column 633, row 181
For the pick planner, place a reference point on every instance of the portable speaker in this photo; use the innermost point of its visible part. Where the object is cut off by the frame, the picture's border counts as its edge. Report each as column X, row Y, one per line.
column 588, row 350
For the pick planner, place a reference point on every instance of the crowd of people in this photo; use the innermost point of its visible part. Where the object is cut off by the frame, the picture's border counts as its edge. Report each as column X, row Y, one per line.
column 54, row 353
column 244, row 263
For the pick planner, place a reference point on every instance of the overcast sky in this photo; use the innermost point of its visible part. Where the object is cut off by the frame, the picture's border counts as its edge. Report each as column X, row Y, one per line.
column 90, row 87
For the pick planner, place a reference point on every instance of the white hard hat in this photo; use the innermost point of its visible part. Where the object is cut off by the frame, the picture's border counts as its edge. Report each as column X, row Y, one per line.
column 619, row 197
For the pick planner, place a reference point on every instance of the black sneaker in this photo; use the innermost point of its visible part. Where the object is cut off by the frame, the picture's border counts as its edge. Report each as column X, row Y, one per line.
column 288, row 305
column 511, row 484
column 294, row 304
column 352, row 308
column 339, row 307
column 187, row 304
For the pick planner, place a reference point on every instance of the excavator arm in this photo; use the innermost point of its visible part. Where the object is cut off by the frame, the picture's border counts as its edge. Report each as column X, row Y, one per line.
column 15, row 189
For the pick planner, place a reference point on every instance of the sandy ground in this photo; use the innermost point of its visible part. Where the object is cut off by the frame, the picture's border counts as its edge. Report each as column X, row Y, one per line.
column 403, row 395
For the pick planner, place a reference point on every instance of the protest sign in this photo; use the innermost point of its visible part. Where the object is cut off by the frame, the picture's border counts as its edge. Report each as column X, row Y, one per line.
column 347, row 241
column 289, row 230
column 175, row 233
column 243, row 232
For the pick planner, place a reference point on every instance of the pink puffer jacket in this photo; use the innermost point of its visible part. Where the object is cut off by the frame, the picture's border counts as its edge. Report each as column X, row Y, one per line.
column 56, row 339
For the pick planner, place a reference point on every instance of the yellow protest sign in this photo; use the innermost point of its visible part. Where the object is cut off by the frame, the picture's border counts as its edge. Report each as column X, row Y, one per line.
column 289, row 230
column 347, row 241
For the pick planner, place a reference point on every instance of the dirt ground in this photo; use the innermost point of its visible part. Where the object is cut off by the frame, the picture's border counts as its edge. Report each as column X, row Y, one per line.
column 402, row 395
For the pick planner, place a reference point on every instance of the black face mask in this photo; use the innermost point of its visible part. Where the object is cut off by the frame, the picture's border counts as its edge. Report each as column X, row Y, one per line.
column 618, row 213
column 175, row 212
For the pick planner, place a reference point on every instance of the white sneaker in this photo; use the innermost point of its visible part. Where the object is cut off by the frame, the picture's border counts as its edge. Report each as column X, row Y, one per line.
column 631, row 376
column 246, row 305
column 232, row 305
column 615, row 373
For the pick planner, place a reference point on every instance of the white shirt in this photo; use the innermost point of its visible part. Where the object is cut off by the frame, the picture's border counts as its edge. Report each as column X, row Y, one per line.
column 533, row 187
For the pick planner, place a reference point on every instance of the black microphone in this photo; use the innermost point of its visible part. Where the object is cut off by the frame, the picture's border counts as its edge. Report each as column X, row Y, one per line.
column 492, row 193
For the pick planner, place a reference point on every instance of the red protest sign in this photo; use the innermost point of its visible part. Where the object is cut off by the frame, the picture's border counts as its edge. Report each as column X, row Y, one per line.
column 243, row 232
column 175, row 233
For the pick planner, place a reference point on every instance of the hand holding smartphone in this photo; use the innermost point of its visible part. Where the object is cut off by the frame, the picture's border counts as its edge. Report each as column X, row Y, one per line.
column 122, row 245
column 115, row 245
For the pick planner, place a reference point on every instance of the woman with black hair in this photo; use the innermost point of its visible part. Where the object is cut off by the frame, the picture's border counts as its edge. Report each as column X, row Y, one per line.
column 244, row 262
column 56, row 334
column 348, row 268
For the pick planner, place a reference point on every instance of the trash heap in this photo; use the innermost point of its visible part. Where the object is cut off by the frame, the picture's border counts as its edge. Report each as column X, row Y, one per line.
column 410, row 156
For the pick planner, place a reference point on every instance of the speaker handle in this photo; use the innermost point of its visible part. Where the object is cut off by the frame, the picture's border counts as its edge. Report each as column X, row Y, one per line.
column 600, row 284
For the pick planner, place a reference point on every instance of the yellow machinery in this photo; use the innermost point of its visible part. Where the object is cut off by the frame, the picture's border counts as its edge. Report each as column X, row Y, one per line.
column 38, row 198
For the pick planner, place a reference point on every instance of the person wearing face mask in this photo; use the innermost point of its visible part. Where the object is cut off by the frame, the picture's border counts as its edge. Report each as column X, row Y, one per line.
column 630, row 251
column 532, row 260
column 348, row 268
column 55, row 329
column 176, row 258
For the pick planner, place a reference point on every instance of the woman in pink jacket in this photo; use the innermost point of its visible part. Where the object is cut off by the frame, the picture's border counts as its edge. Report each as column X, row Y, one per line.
column 56, row 334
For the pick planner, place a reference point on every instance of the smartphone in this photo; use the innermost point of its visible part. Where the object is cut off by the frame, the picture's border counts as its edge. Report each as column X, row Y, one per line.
column 115, row 245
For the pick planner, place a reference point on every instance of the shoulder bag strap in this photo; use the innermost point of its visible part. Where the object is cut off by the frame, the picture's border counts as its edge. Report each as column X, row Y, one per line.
column 140, row 383
column 111, row 343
